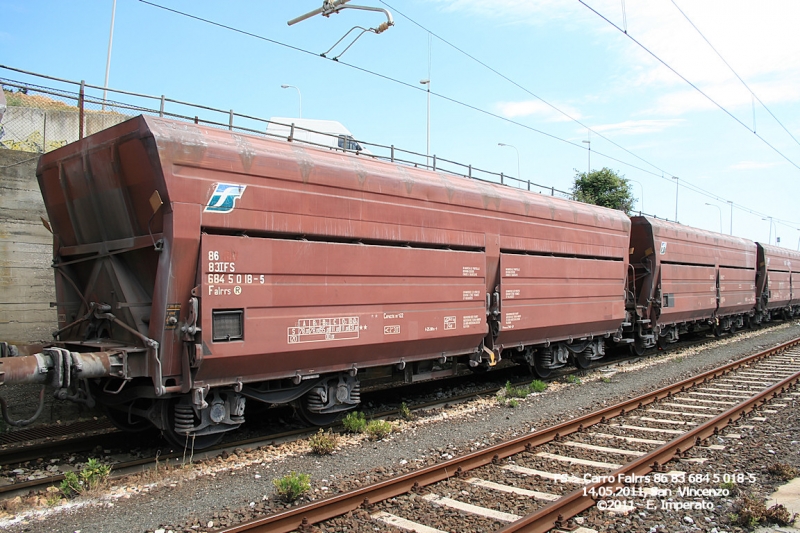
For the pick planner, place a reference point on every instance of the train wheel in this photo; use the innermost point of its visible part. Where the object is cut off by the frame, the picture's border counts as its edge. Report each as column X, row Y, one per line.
column 582, row 361
column 539, row 366
column 314, row 418
column 637, row 347
column 180, row 440
column 733, row 328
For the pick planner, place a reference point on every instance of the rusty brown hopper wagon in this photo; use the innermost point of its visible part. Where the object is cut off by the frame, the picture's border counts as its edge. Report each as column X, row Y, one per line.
column 778, row 282
column 202, row 268
column 688, row 279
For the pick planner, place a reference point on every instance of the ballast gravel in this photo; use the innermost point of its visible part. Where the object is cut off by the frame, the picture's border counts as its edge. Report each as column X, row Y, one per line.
column 207, row 494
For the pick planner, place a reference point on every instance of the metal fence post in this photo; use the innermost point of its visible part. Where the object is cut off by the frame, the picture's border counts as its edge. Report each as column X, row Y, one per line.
column 161, row 109
column 552, row 191
column 529, row 184
column 470, row 172
column 434, row 162
column 501, row 179
column 392, row 153
column 81, row 96
column 230, row 121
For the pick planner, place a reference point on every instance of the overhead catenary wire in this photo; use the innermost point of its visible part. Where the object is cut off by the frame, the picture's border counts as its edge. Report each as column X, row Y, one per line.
column 662, row 172
column 658, row 174
column 695, row 87
column 752, row 93
column 408, row 85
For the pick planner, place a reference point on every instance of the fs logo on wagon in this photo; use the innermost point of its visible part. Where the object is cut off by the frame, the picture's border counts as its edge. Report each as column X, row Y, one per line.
column 224, row 197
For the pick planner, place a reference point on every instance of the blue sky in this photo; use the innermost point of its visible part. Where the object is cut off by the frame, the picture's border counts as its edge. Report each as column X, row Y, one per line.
column 559, row 51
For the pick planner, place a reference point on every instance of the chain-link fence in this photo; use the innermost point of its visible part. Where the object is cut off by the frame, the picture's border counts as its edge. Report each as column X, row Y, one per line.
column 42, row 118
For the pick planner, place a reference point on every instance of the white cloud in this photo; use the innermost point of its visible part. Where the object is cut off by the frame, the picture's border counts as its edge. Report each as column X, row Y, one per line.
column 537, row 108
column 534, row 12
column 758, row 39
column 752, row 165
column 731, row 95
column 638, row 127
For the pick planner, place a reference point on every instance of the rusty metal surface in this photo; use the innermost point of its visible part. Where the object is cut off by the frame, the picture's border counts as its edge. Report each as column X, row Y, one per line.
column 795, row 288
column 737, row 291
column 320, row 510
column 694, row 290
column 685, row 263
column 551, row 298
column 314, row 307
column 39, row 368
column 780, row 266
column 212, row 181
column 676, row 243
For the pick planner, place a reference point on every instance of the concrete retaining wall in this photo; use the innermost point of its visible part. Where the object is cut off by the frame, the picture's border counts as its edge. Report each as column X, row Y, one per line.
column 27, row 285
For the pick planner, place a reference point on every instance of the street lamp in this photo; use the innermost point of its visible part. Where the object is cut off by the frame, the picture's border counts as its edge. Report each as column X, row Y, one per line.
column 519, row 174
column 108, row 57
column 731, row 202
column 299, row 99
column 428, row 120
column 589, row 164
column 641, row 201
column 720, row 215
column 770, row 228
column 677, row 180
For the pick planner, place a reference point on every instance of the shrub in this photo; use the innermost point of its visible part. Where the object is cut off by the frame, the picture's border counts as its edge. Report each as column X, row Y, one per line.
column 90, row 477
column 537, row 386
column 354, row 422
column 70, row 486
column 783, row 471
column 572, row 378
column 510, row 391
column 405, row 412
column 378, row 429
column 780, row 515
column 292, row 486
column 94, row 474
column 731, row 487
column 323, row 443
column 513, row 402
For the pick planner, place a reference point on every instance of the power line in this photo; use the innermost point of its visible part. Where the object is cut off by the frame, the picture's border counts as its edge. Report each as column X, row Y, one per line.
column 734, row 73
column 682, row 183
column 408, row 85
column 525, row 89
column 695, row 87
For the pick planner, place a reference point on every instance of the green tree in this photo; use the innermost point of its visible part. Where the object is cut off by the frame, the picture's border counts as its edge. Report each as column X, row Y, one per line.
column 604, row 187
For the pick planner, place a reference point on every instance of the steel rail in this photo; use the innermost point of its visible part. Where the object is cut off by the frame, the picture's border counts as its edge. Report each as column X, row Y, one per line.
column 554, row 514
column 318, row 511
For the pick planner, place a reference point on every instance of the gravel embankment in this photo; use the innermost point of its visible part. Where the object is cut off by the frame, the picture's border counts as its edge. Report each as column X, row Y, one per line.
column 220, row 491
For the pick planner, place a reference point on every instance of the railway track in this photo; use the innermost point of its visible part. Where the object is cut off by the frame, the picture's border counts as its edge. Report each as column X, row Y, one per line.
column 539, row 481
column 101, row 433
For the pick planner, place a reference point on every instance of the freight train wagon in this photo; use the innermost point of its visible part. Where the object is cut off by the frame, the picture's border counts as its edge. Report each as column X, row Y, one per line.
column 199, row 270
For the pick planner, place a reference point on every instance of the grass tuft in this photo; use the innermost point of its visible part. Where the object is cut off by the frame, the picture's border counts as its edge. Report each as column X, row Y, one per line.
column 292, row 486
column 378, row 429
column 354, row 422
column 323, row 443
